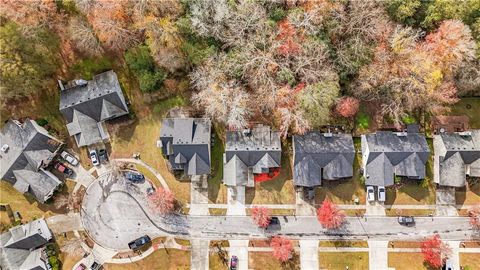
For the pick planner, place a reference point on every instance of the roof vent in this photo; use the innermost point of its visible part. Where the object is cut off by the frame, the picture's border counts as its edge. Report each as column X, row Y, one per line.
column 401, row 134
column 465, row 134
column 81, row 82
column 327, row 135
column 5, row 148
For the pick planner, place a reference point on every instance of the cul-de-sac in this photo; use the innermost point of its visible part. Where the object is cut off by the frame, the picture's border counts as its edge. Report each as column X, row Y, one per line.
column 240, row 134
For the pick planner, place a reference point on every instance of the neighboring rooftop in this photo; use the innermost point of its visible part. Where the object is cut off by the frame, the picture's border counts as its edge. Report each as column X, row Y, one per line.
column 386, row 154
column 314, row 153
column 186, row 143
column 26, row 150
column 88, row 103
column 20, row 247
column 250, row 151
column 456, row 155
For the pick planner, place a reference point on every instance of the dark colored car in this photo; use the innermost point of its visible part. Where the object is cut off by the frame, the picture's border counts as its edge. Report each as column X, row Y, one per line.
column 134, row 176
column 63, row 168
column 274, row 224
column 95, row 266
column 309, row 193
column 233, row 263
column 139, row 243
column 406, row 220
column 102, row 155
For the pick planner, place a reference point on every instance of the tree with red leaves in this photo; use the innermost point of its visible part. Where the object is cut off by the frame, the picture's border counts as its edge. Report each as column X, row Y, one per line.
column 282, row 248
column 288, row 37
column 261, row 216
column 474, row 214
column 329, row 216
column 347, row 107
column 434, row 251
column 162, row 201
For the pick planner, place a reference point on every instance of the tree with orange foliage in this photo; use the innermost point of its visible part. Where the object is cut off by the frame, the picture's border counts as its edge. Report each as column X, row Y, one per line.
column 162, row 201
column 282, row 248
column 347, row 107
column 261, row 216
column 434, row 251
column 31, row 13
column 289, row 38
column 474, row 214
column 329, row 216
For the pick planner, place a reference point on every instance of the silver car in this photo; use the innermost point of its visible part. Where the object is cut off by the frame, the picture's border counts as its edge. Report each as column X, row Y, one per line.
column 370, row 193
column 69, row 158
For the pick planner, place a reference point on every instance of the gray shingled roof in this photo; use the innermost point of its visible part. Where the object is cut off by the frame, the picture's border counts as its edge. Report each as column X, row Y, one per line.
column 453, row 153
column 386, row 154
column 258, row 149
column 186, row 143
column 84, row 106
column 20, row 247
column 30, row 148
column 314, row 152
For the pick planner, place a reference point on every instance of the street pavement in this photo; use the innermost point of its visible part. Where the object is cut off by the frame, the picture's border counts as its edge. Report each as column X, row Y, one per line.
column 115, row 212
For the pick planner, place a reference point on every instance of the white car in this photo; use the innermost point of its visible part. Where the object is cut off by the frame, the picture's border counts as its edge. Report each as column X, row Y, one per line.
column 381, row 194
column 370, row 194
column 69, row 158
column 94, row 157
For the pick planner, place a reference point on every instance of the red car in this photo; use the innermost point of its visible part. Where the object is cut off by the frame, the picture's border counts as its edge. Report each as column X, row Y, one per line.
column 63, row 169
column 233, row 263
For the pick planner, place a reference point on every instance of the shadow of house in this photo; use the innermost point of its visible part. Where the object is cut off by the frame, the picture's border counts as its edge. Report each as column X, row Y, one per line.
column 319, row 157
column 23, row 247
column 26, row 151
column 387, row 155
column 86, row 105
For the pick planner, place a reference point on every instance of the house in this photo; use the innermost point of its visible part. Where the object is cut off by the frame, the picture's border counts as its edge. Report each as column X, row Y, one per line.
column 456, row 156
column 249, row 152
column 26, row 150
column 318, row 157
column 23, row 247
column 186, row 144
column 387, row 154
column 86, row 105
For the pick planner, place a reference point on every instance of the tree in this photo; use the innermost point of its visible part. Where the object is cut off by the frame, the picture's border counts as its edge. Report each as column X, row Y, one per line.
column 329, row 216
column 434, row 251
column 347, row 107
column 317, row 99
column 474, row 214
column 162, row 201
column 261, row 216
column 282, row 248
column 84, row 38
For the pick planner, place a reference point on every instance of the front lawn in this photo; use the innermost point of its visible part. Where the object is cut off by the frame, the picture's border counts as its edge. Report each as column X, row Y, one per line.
column 279, row 190
column 469, row 196
column 172, row 259
column 406, row 260
column 340, row 260
column 469, row 107
column 470, row 259
column 265, row 260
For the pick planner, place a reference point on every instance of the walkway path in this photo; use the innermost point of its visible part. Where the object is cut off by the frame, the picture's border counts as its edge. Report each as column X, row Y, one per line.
column 239, row 248
column 64, row 223
column 152, row 170
column 455, row 256
column 309, row 254
column 236, row 201
column 199, row 196
column 199, row 256
column 378, row 255
column 342, row 206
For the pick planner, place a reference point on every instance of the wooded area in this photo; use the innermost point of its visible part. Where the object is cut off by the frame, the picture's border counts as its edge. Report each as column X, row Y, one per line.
column 296, row 63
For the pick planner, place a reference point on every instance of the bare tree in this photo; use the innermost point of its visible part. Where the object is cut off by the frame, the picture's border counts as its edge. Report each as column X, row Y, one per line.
column 84, row 38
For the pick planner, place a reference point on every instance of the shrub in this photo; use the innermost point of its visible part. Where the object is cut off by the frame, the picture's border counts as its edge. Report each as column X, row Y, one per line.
column 277, row 14
column 398, row 179
column 363, row 120
column 139, row 59
column 424, row 183
column 150, row 81
column 362, row 180
column 408, row 120
column 88, row 67
column 42, row 122
column 197, row 51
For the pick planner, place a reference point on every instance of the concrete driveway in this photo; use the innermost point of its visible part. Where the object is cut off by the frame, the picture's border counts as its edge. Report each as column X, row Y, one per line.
column 239, row 248
column 236, row 201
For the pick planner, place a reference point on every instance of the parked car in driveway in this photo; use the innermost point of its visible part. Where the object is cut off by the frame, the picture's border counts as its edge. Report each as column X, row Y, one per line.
column 139, row 242
column 381, row 194
column 94, row 157
column 81, row 267
column 62, row 168
column 69, row 158
column 102, row 155
column 134, row 176
column 95, row 266
column 406, row 220
column 233, row 262
column 370, row 193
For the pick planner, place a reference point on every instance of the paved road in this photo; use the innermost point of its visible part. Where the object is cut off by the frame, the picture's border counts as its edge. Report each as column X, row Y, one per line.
column 115, row 212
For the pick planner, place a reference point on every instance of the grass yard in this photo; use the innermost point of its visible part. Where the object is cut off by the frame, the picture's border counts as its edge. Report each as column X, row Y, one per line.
column 265, row 260
column 279, row 190
column 470, row 259
column 340, row 260
column 406, row 261
column 28, row 206
column 217, row 192
column 469, row 196
column 409, row 212
column 216, row 262
column 217, row 211
column 71, row 244
column 173, row 260
column 460, row 108
column 141, row 136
